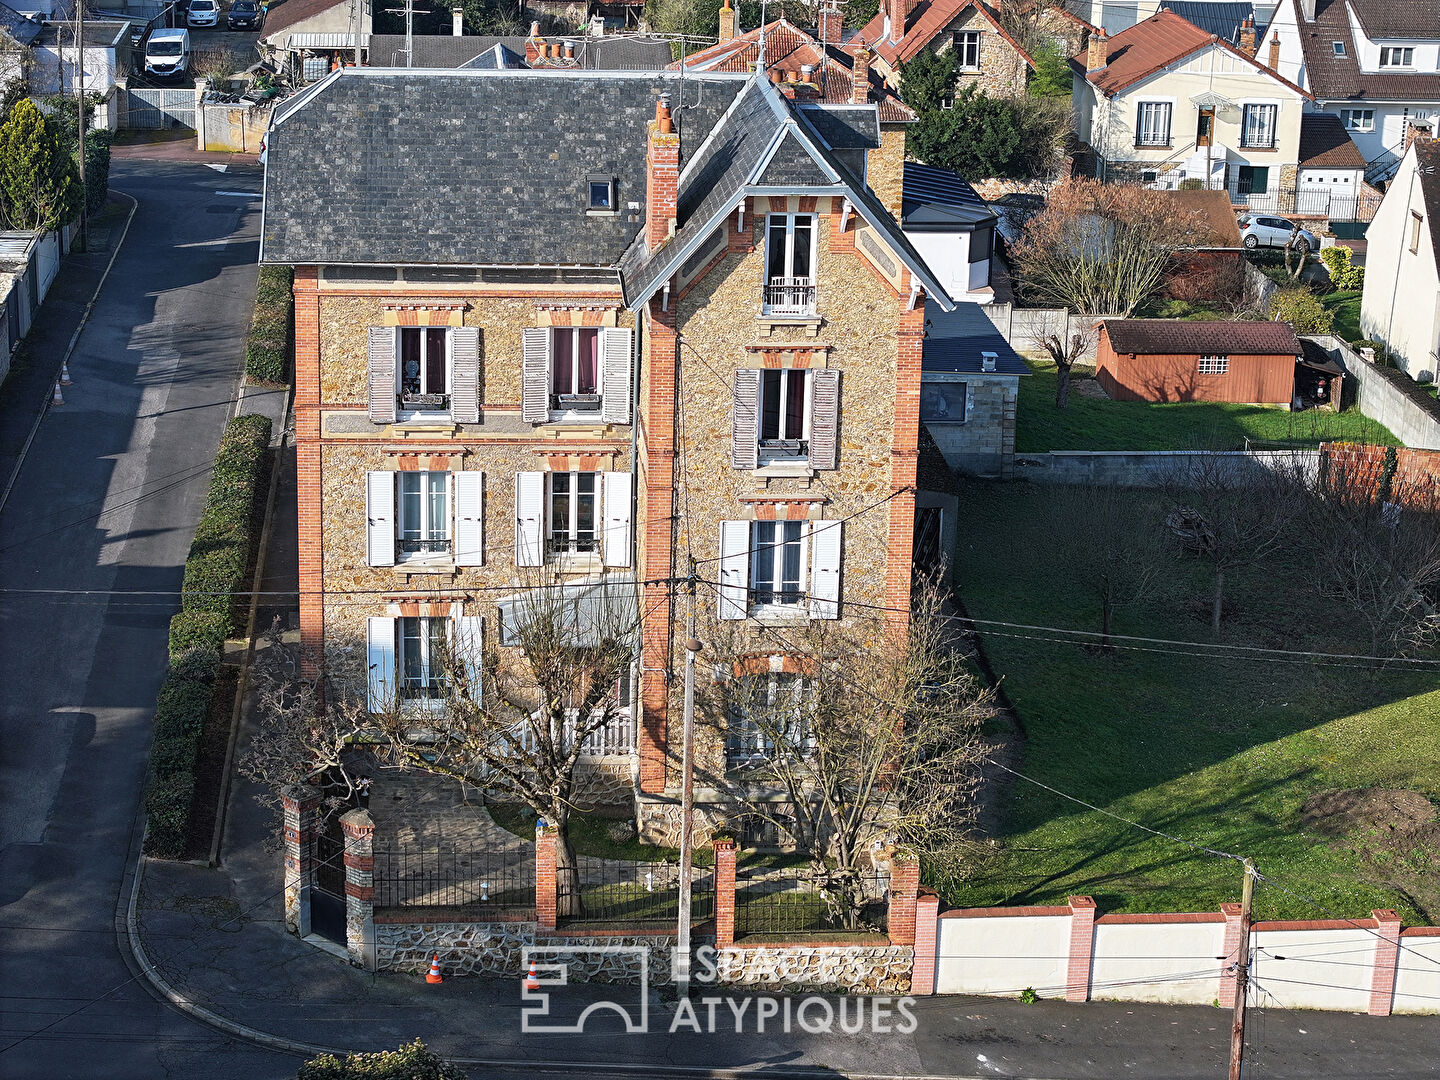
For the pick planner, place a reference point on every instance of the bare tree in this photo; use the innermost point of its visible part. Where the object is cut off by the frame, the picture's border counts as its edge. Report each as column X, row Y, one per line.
column 1101, row 249
column 1233, row 512
column 216, row 64
column 1066, row 353
column 1109, row 538
column 1295, row 250
column 873, row 739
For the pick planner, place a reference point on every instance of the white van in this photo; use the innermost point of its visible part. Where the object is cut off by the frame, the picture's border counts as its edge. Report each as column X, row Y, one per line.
column 167, row 52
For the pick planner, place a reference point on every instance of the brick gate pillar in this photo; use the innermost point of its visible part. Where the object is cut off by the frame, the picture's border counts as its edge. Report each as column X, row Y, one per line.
column 1082, row 948
column 299, row 804
column 927, row 929
column 545, row 897
column 724, row 893
column 1231, row 953
column 1387, row 957
column 904, row 887
column 359, row 829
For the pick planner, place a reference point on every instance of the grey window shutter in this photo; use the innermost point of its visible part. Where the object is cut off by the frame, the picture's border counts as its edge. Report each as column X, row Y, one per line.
column 734, row 569
column 745, row 419
column 380, row 658
column 380, row 518
column 535, row 371
column 616, row 346
column 825, row 548
column 469, row 518
column 382, row 374
column 825, row 419
column 465, row 374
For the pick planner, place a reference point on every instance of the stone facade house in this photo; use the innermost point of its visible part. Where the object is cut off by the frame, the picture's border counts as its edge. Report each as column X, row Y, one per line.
column 573, row 331
column 1165, row 102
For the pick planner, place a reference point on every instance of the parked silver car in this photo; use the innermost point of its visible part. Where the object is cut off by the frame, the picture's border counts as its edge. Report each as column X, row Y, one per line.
column 1262, row 230
column 203, row 13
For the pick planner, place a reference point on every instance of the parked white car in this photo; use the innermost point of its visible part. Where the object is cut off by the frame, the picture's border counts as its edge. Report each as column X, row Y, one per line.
column 203, row 13
column 167, row 52
column 1262, row 230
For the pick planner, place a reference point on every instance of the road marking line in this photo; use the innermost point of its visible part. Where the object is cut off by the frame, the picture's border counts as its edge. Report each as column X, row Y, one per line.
column 241, row 194
column 217, row 168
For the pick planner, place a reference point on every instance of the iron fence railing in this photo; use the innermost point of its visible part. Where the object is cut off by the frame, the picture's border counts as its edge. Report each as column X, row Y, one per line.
column 790, row 296
column 448, row 876
column 601, row 890
column 799, row 901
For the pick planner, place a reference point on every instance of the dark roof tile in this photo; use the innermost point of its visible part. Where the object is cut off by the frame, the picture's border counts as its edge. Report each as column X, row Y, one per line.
column 1338, row 78
column 1184, row 337
column 1324, row 142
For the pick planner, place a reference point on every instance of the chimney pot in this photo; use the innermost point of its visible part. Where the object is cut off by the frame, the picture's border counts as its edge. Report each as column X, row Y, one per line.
column 457, row 21
column 664, row 122
column 535, row 29
column 569, row 50
column 662, row 174
column 1098, row 54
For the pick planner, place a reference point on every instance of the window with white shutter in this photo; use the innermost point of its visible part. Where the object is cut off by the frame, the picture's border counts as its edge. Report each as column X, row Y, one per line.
column 465, row 374
column 530, row 519
column 734, row 569
column 380, row 660
column 617, row 345
column 535, row 375
column 469, row 543
column 380, row 518
column 469, row 656
column 745, row 419
column 381, row 359
column 825, row 553
column 422, row 515
column 423, row 372
column 616, row 505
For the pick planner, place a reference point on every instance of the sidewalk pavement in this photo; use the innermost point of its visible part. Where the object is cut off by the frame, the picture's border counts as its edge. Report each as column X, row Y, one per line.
column 173, row 144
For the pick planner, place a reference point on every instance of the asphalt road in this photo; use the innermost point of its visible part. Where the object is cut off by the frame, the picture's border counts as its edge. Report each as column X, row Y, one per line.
column 107, row 501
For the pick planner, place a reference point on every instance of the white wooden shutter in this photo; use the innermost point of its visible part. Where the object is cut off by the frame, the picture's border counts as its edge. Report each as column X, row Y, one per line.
column 465, row 375
column 969, row 399
column 529, row 518
column 380, row 656
column 469, row 653
column 734, row 569
column 745, row 419
column 825, row 548
column 380, row 518
column 535, row 374
column 824, row 419
column 469, row 536
column 381, row 356
column 617, row 510
column 616, row 344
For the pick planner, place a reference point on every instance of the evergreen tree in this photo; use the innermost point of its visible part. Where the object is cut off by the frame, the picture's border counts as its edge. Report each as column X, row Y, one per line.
column 39, row 181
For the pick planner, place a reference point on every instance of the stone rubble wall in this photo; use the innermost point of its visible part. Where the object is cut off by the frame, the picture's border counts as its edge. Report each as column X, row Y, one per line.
column 850, row 969
column 497, row 949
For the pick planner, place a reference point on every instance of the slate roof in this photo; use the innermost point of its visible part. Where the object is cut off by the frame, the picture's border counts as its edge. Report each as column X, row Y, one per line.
column 497, row 58
column 1153, row 45
column 939, row 198
column 99, row 34
column 486, row 168
column 436, row 50
column 1338, row 78
column 1324, row 142
column 21, row 30
column 1184, row 337
column 955, row 339
column 787, row 49
column 1223, row 18
column 1427, row 157
column 762, row 140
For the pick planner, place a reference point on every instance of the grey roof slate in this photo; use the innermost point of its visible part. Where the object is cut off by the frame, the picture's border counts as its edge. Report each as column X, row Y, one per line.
column 853, row 127
column 939, row 198
column 20, row 29
column 391, row 167
column 792, row 166
column 955, row 339
column 437, row 50
column 497, row 58
column 1219, row 17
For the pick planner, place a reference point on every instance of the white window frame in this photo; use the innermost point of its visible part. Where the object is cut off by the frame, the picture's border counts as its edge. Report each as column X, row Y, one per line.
column 1413, row 241
column 1337, row 48
column 1145, row 133
column 1405, row 52
column 572, row 551
column 431, row 698
column 774, row 548
column 571, row 413
column 1249, row 108
column 403, row 413
column 803, row 302
column 963, row 42
column 1362, row 120
column 773, row 450
column 746, row 743
column 427, row 525
column 1213, row 365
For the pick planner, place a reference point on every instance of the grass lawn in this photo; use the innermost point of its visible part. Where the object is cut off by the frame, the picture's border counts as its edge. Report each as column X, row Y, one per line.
column 1097, row 423
column 1346, row 306
column 1220, row 752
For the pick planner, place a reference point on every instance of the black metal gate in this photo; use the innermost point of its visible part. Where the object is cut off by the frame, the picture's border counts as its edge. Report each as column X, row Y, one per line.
column 929, row 558
column 327, row 898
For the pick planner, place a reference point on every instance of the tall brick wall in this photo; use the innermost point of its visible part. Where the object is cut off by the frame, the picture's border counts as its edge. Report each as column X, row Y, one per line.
column 1417, row 472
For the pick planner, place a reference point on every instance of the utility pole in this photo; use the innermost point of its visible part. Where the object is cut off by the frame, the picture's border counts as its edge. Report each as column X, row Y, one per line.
column 687, row 804
column 1242, row 975
column 80, row 122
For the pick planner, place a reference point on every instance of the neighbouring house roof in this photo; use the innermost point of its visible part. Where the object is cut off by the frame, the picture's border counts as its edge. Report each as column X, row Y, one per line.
column 924, row 19
column 17, row 27
column 763, row 142
column 1338, row 78
column 1324, row 143
column 1427, row 159
column 281, row 17
column 1223, row 18
column 955, row 339
column 1315, row 355
column 1217, row 216
column 495, row 58
column 99, row 34
column 1398, row 18
column 1153, row 45
column 347, row 182
column 435, row 50
column 940, row 198
column 787, row 50
column 1183, row 337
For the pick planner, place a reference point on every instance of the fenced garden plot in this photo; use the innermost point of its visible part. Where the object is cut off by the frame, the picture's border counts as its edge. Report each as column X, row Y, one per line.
column 448, row 876
column 603, row 890
column 781, row 903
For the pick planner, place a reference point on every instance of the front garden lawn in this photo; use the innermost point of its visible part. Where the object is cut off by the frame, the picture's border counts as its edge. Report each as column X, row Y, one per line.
column 1097, row 423
column 1222, row 753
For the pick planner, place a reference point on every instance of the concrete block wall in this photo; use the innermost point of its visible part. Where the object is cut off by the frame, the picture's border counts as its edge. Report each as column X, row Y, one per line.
column 1384, row 395
column 985, row 443
column 1147, row 468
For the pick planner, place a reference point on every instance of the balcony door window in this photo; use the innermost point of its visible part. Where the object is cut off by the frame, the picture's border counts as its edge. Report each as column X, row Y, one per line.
column 424, row 648
column 790, row 264
column 777, row 567
column 783, row 413
column 1205, row 127
column 575, row 370
column 423, row 514
column 424, row 368
column 574, row 513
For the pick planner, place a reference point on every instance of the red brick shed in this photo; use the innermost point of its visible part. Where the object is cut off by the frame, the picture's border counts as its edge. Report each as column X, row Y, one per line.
column 1168, row 360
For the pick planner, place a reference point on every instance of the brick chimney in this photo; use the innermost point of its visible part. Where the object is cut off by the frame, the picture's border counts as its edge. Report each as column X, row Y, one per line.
column 860, row 77
column 1274, row 61
column 1247, row 35
column 1416, row 131
column 895, row 17
column 831, row 23
column 1098, row 54
column 534, row 44
column 729, row 27
column 662, row 176
column 457, row 21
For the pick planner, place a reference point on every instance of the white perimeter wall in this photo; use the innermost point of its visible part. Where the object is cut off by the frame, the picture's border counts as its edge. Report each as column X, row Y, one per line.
column 1321, row 969
column 1417, row 976
column 1167, row 962
column 1003, row 955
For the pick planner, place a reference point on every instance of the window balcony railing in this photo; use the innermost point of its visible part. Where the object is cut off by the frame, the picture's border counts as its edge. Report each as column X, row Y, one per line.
column 784, row 449
column 575, row 402
column 790, row 296
column 424, row 402
column 559, row 547
column 424, row 547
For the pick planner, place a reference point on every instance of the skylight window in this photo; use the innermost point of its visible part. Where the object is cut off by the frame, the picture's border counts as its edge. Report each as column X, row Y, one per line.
column 1339, row 47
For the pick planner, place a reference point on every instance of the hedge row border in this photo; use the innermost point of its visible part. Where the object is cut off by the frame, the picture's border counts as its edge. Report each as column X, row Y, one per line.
column 271, row 339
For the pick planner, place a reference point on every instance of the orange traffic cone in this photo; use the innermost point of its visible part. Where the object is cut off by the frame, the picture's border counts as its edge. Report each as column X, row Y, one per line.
column 57, row 398
column 532, row 980
column 434, row 976
column 65, row 374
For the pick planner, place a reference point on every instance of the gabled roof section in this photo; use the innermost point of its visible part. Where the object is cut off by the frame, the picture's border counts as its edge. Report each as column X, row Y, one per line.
column 283, row 16
column 761, row 130
column 924, row 19
column 1324, row 143
column 1153, row 45
column 17, row 27
column 386, row 167
column 788, row 49
column 1339, row 78
column 497, row 58
column 939, row 198
column 844, row 127
column 1398, row 18
column 1186, row 337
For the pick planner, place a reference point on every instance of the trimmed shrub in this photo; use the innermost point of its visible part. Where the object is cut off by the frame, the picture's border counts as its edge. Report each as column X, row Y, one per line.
column 198, row 630
column 180, row 713
column 1302, row 310
column 97, row 168
column 1343, row 275
column 410, row 1062
column 215, row 571
column 1190, row 183
column 268, row 345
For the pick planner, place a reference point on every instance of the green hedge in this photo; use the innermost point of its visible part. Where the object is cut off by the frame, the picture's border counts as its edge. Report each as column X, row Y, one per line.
column 410, row 1062
column 180, row 713
column 204, row 630
column 267, row 348
column 97, row 168
column 225, row 539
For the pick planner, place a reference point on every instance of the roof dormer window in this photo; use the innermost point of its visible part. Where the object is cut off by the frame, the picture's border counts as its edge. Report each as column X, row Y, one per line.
column 1339, row 47
column 601, row 197
column 1397, row 56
